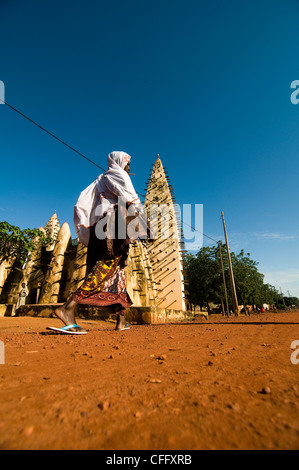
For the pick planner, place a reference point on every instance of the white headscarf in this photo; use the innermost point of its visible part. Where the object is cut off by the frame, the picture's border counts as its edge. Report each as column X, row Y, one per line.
column 101, row 195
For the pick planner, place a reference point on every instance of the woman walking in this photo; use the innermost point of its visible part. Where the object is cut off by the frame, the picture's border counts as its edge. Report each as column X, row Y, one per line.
column 101, row 224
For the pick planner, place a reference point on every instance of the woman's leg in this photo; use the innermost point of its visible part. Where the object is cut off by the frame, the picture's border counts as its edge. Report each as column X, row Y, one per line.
column 121, row 321
column 66, row 313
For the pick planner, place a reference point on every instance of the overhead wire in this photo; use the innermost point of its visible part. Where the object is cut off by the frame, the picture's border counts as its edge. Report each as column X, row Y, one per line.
column 86, row 158
column 50, row 133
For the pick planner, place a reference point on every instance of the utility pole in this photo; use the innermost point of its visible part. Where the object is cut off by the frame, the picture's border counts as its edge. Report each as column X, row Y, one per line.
column 282, row 296
column 223, row 277
column 231, row 274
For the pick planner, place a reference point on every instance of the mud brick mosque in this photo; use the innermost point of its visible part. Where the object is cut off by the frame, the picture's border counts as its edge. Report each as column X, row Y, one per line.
column 154, row 275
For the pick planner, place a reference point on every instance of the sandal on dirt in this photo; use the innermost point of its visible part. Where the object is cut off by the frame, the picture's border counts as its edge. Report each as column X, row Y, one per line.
column 127, row 327
column 65, row 329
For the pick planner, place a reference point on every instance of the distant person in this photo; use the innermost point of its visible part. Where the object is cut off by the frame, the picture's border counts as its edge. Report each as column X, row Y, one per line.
column 22, row 296
column 105, row 284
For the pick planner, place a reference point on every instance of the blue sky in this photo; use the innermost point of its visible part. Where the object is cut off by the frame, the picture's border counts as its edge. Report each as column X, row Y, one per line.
column 206, row 85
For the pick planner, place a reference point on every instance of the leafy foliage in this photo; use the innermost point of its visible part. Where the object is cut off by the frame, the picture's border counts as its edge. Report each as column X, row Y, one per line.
column 16, row 244
column 205, row 282
column 290, row 301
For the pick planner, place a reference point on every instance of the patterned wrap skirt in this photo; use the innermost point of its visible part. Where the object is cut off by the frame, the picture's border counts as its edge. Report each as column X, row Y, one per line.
column 105, row 285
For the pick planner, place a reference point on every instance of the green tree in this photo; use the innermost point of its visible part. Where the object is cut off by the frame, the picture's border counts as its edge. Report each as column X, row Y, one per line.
column 16, row 243
column 249, row 282
column 205, row 282
column 203, row 277
column 291, row 301
column 270, row 294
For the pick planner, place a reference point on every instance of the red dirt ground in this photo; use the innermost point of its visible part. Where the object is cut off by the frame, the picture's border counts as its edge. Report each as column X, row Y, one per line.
column 207, row 384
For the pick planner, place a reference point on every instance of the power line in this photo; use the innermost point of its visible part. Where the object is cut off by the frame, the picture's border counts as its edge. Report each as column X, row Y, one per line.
column 50, row 133
column 86, row 158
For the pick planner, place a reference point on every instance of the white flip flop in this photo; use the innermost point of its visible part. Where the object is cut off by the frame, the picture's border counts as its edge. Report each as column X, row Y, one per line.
column 65, row 330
